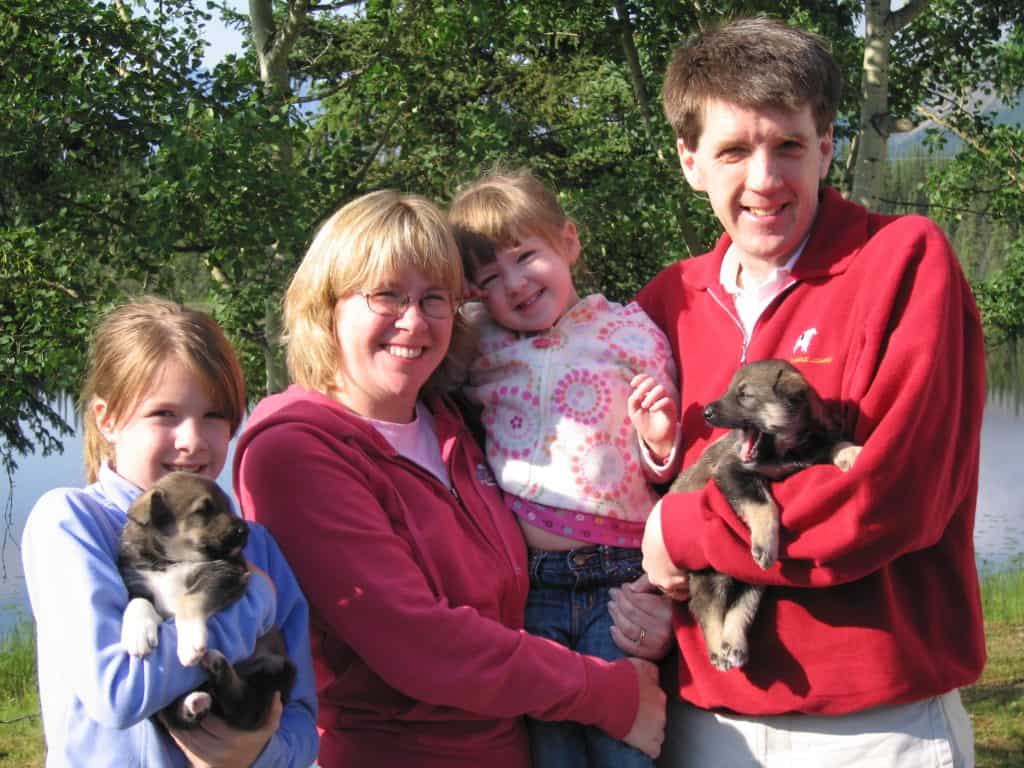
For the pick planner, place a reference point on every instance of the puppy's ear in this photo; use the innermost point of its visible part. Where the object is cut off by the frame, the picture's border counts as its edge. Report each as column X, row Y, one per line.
column 160, row 513
column 819, row 413
column 151, row 509
column 204, row 505
column 790, row 386
column 139, row 510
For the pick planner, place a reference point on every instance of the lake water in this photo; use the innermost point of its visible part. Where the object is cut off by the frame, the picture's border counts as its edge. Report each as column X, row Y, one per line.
column 998, row 532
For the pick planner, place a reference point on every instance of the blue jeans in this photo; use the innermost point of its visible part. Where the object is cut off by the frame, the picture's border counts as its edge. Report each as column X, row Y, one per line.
column 568, row 603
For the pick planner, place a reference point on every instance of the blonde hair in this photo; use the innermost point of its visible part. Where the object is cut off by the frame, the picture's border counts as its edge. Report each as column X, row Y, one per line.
column 132, row 342
column 366, row 241
column 504, row 207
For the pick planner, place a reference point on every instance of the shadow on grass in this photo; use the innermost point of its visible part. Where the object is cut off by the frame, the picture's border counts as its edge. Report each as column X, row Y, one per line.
column 984, row 695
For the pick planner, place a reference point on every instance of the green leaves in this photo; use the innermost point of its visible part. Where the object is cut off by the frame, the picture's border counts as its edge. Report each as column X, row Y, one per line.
column 126, row 168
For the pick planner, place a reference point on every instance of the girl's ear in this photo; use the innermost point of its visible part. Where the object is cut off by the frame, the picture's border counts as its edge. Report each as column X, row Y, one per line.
column 570, row 241
column 104, row 423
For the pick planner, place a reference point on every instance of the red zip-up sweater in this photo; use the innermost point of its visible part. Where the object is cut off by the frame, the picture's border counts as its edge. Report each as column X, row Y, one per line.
column 416, row 594
column 875, row 596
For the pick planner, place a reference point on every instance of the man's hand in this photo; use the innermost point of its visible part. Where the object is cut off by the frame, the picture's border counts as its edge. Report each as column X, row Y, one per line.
column 215, row 744
column 653, row 414
column 657, row 563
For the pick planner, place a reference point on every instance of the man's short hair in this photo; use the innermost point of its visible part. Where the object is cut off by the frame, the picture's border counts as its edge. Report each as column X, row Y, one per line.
column 753, row 63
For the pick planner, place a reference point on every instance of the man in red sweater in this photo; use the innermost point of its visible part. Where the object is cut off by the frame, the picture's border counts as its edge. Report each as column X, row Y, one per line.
column 872, row 617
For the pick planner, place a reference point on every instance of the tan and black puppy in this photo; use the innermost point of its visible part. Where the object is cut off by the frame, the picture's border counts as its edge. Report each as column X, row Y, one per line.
column 180, row 555
column 779, row 425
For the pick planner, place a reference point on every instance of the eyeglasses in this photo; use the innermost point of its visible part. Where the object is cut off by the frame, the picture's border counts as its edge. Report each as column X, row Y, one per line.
column 437, row 305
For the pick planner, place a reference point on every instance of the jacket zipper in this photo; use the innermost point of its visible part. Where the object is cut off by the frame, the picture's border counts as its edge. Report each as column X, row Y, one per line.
column 453, row 492
column 736, row 320
column 747, row 337
column 517, row 572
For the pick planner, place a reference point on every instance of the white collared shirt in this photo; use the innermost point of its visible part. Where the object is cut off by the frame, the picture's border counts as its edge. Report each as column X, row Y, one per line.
column 752, row 298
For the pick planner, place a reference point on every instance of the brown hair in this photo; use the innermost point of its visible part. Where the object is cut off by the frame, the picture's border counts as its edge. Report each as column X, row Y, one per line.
column 130, row 345
column 503, row 208
column 359, row 246
column 752, row 63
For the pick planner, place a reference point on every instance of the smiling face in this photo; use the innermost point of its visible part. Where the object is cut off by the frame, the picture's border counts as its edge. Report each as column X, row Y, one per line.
column 529, row 285
column 385, row 361
column 761, row 169
column 175, row 426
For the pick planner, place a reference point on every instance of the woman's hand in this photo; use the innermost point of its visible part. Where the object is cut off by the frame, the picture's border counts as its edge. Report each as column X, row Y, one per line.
column 215, row 744
column 648, row 731
column 643, row 619
column 658, row 565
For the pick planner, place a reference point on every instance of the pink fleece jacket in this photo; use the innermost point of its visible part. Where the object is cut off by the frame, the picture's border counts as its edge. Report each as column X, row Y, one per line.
column 416, row 594
column 875, row 596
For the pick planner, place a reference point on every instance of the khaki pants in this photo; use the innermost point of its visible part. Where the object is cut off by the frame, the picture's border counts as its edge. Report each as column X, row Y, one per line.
column 932, row 733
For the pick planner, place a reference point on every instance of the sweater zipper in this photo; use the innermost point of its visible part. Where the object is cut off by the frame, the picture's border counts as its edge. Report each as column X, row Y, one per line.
column 516, row 570
column 747, row 337
column 453, row 492
column 735, row 319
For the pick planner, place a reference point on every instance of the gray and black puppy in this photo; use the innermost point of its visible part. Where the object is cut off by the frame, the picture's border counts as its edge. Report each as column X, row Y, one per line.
column 180, row 555
column 779, row 425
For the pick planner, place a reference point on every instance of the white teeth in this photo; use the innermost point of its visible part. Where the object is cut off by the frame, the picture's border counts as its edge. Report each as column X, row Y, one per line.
column 407, row 353
column 530, row 300
column 764, row 211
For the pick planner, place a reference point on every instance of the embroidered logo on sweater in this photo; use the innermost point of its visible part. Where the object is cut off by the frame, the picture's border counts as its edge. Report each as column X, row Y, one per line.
column 484, row 475
column 804, row 341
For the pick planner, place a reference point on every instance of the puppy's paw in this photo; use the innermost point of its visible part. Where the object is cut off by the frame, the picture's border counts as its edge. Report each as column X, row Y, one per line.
column 765, row 554
column 194, row 706
column 191, row 641
column 729, row 657
column 215, row 663
column 140, row 627
column 844, row 455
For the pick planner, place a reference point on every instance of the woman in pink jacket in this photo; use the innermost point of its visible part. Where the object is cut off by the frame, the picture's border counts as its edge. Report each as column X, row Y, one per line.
column 385, row 507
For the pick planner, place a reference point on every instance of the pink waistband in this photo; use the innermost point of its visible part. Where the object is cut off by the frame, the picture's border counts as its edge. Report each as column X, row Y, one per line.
column 577, row 525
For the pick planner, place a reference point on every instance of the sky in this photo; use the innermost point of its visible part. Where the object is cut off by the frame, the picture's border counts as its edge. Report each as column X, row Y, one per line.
column 221, row 40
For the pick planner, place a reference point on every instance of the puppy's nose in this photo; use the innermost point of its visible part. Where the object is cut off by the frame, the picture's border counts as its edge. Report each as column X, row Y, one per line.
column 239, row 534
column 709, row 412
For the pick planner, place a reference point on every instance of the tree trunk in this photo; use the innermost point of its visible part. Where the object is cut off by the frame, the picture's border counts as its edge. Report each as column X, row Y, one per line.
column 273, row 44
column 636, row 79
column 876, row 124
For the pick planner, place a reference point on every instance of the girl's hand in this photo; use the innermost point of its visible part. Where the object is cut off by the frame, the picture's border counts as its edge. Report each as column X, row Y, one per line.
column 648, row 731
column 653, row 414
column 643, row 619
column 215, row 744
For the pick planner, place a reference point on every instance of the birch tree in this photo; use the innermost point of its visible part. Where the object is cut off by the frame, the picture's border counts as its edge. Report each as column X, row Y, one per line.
column 876, row 124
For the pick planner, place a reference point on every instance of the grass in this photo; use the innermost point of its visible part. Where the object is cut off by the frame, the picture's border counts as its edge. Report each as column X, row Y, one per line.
column 995, row 702
column 1002, row 595
column 21, row 730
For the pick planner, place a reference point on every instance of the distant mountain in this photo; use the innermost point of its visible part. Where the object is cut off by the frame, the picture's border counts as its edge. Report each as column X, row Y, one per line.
column 903, row 144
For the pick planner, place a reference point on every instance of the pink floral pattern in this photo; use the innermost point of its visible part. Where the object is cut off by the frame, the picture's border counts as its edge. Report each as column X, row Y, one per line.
column 554, row 408
column 512, row 423
column 583, row 396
